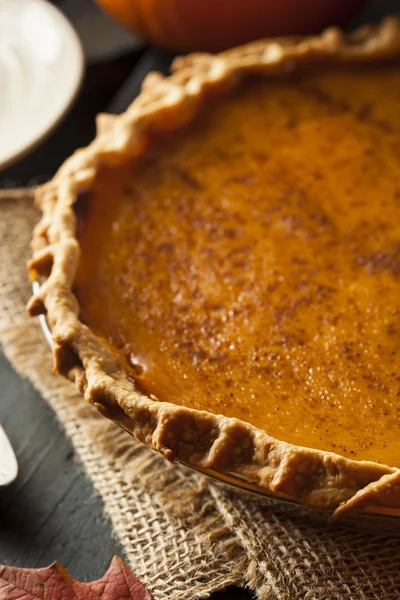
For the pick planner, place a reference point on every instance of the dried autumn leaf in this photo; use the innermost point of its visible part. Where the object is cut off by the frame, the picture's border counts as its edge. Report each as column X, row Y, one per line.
column 55, row 583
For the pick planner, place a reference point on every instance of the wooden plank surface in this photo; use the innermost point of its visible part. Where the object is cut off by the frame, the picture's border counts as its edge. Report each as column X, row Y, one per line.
column 51, row 511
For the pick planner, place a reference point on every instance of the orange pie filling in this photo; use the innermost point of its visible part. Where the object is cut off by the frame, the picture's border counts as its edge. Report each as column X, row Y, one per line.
column 249, row 264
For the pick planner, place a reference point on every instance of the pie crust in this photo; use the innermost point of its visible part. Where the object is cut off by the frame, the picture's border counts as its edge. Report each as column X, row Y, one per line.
column 201, row 439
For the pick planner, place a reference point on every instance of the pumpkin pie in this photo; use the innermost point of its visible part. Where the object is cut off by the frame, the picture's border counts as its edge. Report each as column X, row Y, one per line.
column 220, row 267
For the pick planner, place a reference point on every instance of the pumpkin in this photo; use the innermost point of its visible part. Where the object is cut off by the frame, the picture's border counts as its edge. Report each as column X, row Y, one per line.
column 213, row 25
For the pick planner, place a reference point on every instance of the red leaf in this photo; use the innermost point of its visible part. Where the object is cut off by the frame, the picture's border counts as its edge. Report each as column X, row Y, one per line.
column 55, row 583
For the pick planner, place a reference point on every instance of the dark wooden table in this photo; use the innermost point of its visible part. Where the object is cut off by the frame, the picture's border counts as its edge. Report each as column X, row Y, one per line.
column 52, row 511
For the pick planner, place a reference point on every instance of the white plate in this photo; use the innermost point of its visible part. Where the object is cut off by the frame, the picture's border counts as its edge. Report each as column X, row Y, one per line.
column 41, row 67
column 8, row 461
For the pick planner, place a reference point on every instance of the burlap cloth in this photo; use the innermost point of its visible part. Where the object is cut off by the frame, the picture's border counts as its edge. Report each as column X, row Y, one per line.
column 184, row 536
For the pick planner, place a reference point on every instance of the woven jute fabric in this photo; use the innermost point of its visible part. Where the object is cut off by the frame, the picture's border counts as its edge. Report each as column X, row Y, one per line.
column 183, row 535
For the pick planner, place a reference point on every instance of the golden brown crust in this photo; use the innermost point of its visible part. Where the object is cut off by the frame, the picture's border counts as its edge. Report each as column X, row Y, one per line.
column 316, row 478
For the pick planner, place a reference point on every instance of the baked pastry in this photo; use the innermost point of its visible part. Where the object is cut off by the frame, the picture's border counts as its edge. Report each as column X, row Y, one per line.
column 221, row 267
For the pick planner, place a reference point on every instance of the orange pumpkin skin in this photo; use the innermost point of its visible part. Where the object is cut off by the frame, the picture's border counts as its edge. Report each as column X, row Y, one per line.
column 214, row 25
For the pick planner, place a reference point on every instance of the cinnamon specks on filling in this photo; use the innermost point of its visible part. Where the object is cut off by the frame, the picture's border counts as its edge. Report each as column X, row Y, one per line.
column 250, row 265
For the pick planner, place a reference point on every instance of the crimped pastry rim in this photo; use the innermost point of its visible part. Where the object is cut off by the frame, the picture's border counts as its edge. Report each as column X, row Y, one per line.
column 316, row 478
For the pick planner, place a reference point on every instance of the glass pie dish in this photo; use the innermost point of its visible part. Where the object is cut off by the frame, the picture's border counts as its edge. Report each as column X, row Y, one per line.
column 235, row 305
